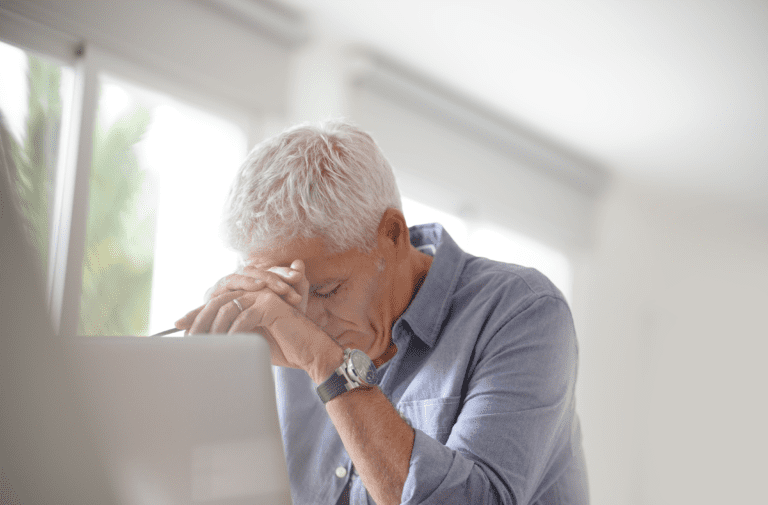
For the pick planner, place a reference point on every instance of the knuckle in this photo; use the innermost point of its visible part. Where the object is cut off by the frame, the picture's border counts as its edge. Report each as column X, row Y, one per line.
column 271, row 301
column 272, row 276
column 270, row 297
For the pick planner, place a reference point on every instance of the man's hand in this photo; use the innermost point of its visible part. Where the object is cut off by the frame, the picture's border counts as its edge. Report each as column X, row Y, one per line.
column 219, row 313
column 288, row 282
column 274, row 301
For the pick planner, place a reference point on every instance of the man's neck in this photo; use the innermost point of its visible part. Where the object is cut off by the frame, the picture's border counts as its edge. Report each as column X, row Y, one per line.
column 421, row 264
column 416, row 270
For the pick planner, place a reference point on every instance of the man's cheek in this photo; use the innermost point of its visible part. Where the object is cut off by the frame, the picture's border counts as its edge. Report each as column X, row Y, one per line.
column 340, row 315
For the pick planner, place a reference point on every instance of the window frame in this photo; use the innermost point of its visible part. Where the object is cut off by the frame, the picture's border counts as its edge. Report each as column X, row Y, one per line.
column 68, row 226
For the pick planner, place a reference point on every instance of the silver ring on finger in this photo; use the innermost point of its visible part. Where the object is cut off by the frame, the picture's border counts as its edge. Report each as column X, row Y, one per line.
column 238, row 304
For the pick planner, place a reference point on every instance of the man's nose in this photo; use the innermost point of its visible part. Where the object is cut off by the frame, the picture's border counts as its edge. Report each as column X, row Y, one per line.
column 316, row 312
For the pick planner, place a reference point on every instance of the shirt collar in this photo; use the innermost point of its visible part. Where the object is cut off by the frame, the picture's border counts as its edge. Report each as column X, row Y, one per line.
column 428, row 308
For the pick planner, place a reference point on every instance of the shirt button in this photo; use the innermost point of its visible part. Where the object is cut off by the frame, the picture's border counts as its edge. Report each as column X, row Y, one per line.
column 341, row 472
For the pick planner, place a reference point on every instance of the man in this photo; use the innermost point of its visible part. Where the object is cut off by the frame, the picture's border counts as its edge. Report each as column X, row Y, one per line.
column 476, row 360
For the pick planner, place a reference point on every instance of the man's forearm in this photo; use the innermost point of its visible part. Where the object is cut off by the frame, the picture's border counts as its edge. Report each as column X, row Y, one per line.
column 377, row 439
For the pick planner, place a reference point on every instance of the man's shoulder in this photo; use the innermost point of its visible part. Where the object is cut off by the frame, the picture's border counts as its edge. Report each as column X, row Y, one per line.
column 490, row 295
column 507, row 279
column 473, row 293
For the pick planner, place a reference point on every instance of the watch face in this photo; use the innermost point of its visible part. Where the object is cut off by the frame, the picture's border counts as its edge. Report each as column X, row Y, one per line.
column 363, row 367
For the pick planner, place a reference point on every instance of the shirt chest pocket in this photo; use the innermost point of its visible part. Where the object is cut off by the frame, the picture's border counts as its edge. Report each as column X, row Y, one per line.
column 435, row 416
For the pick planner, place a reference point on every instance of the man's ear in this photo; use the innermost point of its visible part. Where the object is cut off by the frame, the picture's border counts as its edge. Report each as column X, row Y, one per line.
column 393, row 232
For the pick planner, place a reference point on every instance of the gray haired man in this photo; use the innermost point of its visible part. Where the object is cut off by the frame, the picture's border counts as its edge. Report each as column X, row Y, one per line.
column 409, row 370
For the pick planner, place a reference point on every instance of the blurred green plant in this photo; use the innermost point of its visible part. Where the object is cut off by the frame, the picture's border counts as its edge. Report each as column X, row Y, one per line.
column 119, row 250
column 35, row 158
column 117, row 267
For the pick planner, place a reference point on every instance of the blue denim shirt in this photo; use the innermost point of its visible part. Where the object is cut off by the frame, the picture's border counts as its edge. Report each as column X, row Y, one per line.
column 485, row 374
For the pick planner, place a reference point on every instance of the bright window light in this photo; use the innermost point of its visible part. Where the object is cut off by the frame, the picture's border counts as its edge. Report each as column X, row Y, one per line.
column 14, row 89
column 162, row 170
column 418, row 213
column 195, row 156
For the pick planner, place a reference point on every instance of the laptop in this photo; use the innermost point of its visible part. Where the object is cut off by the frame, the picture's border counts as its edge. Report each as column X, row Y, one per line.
column 184, row 420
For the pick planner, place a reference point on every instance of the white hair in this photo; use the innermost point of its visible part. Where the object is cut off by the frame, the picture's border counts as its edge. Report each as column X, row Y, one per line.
column 329, row 180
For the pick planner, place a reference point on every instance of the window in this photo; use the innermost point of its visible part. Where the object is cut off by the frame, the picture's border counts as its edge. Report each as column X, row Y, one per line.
column 33, row 92
column 160, row 172
column 158, row 177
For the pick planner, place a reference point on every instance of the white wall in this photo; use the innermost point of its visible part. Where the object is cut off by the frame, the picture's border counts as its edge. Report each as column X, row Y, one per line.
column 668, row 296
column 670, row 309
column 456, row 156
column 462, row 175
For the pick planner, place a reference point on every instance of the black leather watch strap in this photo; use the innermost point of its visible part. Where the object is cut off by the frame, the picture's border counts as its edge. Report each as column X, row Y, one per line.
column 332, row 387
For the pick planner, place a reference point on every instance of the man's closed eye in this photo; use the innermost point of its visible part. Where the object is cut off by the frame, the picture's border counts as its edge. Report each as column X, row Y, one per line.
column 327, row 293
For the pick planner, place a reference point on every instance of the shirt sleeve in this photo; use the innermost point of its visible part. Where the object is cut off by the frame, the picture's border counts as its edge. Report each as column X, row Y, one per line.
column 513, row 431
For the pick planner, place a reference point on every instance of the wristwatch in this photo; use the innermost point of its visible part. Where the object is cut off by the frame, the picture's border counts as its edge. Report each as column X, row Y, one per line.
column 356, row 371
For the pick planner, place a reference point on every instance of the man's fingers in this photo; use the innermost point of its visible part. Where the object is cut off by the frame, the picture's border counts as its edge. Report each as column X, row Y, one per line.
column 234, row 282
column 185, row 322
column 298, row 265
column 250, row 319
column 227, row 314
column 219, row 314
column 284, row 282
column 257, row 272
column 289, row 283
column 261, row 312
column 300, row 284
column 252, row 280
column 288, row 274
column 204, row 319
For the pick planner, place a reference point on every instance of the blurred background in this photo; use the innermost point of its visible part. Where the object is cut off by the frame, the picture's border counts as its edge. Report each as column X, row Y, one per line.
column 619, row 147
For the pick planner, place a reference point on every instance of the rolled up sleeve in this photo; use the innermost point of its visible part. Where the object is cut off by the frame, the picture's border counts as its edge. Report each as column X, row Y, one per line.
column 512, row 432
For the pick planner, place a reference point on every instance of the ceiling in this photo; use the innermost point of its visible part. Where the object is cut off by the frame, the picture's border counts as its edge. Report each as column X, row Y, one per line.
column 668, row 92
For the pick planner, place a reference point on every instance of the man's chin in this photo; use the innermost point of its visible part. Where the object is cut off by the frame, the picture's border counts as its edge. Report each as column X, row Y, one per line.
column 344, row 341
column 352, row 340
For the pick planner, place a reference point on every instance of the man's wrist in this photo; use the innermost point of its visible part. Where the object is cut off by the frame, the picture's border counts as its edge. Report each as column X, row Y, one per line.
column 326, row 362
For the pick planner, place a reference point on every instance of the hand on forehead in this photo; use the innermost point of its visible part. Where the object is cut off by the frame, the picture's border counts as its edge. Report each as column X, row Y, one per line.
column 285, row 255
column 317, row 261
